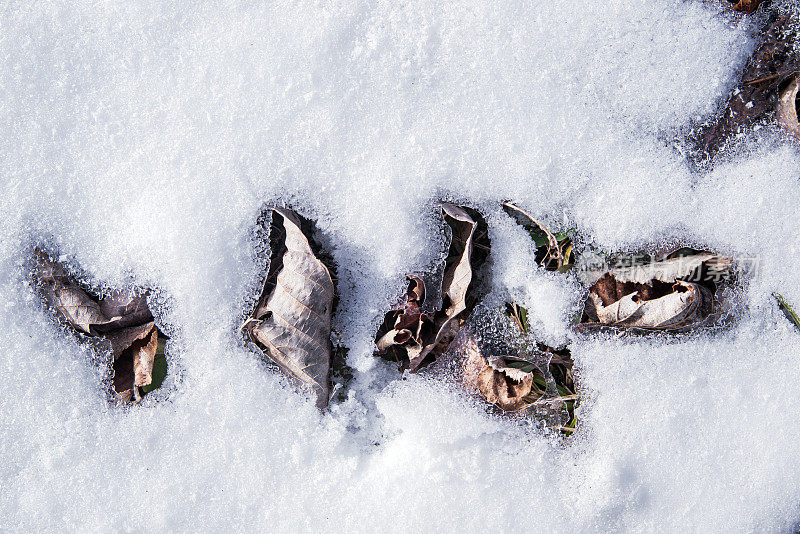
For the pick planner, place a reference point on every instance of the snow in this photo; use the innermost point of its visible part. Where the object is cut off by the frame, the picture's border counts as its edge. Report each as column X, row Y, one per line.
column 141, row 139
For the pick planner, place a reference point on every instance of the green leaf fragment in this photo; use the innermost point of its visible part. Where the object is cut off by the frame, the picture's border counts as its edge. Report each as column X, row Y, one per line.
column 159, row 373
column 787, row 309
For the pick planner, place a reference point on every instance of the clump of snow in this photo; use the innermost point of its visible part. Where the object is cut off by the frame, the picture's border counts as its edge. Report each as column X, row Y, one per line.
column 141, row 140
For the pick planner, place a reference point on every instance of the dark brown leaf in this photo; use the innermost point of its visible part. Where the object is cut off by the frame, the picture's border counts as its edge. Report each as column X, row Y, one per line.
column 411, row 336
column 757, row 95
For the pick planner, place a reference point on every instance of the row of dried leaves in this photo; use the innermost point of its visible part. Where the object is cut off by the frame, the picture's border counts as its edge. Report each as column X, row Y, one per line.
column 767, row 89
column 121, row 318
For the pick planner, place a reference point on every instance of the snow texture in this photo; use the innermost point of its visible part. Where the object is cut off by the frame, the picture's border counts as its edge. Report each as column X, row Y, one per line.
column 141, row 139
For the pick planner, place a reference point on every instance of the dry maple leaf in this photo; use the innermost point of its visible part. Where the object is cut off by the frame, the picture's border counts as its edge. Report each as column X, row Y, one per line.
column 292, row 319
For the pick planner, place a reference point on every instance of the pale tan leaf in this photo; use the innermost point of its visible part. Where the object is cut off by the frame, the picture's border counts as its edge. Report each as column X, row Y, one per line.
column 458, row 277
column 787, row 107
column 65, row 296
column 292, row 320
column 684, row 304
column 503, row 391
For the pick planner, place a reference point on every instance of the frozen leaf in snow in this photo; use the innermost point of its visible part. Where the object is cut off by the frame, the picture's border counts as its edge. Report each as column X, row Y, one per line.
column 414, row 338
column 519, row 374
column 757, row 95
column 65, row 296
column 553, row 251
column 122, row 318
column 292, row 319
column 788, row 106
column 677, row 293
column 506, row 388
column 410, row 329
column 134, row 351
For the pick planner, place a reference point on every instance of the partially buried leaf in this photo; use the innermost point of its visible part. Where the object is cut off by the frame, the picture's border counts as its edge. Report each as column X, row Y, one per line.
column 788, row 106
column 292, row 319
column 413, row 337
column 745, row 6
column 65, row 296
column 677, row 293
column 505, row 391
column 134, row 352
column 122, row 318
column 553, row 251
column 756, row 97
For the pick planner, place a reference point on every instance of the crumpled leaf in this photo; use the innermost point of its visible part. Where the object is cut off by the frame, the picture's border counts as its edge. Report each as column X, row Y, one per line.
column 506, row 388
column 292, row 319
column 757, row 94
column 123, row 318
column 516, row 382
column 676, row 293
column 788, row 105
column 415, row 338
column 411, row 328
column 553, row 251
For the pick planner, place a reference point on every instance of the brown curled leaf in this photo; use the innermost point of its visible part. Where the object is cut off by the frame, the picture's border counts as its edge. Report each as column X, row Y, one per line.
column 504, row 391
column 413, row 337
column 673, row 294
column 134, row 352
column 123, row 318
column 292, row 319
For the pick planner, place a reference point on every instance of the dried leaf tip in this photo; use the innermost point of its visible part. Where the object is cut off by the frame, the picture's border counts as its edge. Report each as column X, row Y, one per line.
column 678, row 293
column 554, row 252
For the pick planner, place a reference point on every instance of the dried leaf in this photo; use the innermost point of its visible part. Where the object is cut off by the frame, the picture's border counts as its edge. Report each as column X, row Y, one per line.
column 788, row 106
column 502, row 390
column 672, row 294
column 757, row 94
column 292, row 319
column 554, row 251
column 415, row 338
column 133, row 365
column 65, row 296
column 516, row 382
column 745, row 6
column 122, row 318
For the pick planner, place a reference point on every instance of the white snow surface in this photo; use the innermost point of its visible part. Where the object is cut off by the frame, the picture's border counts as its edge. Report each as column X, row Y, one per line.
column 141, row 139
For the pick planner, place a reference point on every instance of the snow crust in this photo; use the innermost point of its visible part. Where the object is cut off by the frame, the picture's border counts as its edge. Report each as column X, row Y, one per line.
column 141, row 139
